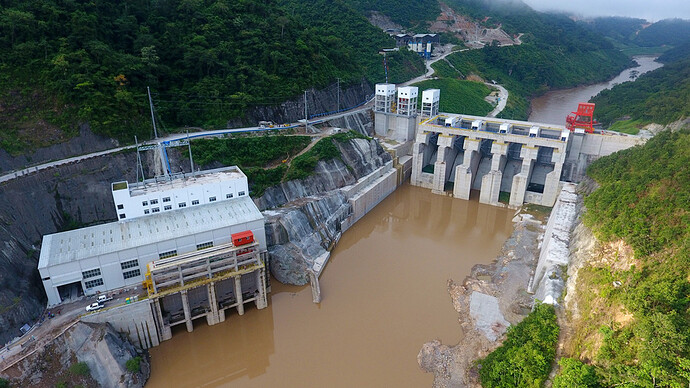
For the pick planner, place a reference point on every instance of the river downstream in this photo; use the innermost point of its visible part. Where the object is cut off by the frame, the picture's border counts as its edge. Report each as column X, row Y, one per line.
column 554, row 106
column 383, row 296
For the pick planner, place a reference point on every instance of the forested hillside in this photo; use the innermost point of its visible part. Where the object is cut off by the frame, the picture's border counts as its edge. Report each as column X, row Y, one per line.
column 206, row 61
column 617, row 28
column 637, row 36
column 634, row 328
column 556, row 53
column 664, row 32
column 661, row 96
column 411, row 14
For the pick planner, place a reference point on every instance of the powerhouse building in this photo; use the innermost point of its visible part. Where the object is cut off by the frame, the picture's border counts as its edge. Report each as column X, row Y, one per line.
column 205, row 209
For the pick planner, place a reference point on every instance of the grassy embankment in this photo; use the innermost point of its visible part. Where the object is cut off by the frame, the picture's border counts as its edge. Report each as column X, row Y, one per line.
column 459, row 96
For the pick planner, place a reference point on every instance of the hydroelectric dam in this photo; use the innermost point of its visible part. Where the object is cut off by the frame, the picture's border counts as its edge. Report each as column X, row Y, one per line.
column 509, row 162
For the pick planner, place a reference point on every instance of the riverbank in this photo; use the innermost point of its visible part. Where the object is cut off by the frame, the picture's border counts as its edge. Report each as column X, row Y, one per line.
column 490, row 299
column 553, row 106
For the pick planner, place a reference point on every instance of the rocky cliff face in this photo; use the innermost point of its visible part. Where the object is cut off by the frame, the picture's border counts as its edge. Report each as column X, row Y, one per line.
column 306, row 223
column 362, row 122
column 41, row 203
column 318, row 101
column 99, row 346
column 85, row 143
column 298, row 234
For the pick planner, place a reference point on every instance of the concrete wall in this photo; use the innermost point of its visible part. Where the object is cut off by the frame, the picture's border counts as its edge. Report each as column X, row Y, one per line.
column 586, row 148
column 547, row 283
column 369, row 192
column 135, row 320
column 372, row 195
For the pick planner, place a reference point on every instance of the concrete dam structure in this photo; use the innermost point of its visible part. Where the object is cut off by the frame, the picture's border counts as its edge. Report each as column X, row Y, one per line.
column 509, row 162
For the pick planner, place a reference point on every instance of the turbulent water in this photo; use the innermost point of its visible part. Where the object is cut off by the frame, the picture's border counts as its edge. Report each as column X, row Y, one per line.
column 553, row 107
column 383, row 296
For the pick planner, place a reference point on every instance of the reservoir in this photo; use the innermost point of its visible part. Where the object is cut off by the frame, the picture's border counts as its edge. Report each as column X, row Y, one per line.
column 554, row 106
column 383, row 296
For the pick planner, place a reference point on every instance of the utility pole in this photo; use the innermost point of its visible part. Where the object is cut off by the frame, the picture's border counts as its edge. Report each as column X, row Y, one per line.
column 153, row 120
column 191, row 161
column 338, row 109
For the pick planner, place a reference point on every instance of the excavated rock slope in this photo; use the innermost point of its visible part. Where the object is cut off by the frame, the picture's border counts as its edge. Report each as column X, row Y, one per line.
column 99, row 346
column 304, row 219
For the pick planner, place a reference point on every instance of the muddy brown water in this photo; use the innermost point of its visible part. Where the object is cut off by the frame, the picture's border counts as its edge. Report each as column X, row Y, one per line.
column 383, row 296
column 554, row 106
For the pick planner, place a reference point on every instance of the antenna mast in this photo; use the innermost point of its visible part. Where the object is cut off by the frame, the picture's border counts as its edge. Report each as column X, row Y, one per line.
column 153, row 120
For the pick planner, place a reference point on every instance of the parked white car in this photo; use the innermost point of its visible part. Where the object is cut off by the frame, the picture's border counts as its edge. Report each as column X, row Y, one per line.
column 103, row 298
column 94, row 306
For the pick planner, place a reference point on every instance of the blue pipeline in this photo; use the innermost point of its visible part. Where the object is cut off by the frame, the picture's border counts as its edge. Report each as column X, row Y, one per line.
column 165, row 154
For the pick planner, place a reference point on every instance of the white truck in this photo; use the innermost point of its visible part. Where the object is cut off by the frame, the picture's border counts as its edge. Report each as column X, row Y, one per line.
column 103, row 298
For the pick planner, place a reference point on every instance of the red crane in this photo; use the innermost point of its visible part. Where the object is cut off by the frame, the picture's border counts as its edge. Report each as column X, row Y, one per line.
column 583, row 118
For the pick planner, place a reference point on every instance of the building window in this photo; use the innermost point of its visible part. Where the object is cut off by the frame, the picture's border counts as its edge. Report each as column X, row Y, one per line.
column 167, row 207
column 120, row 206
column 91, row 273
column 146, row 211
column 123, row 216
column 241, row 193
column 204, row 245
column 166, row 199
column 182, row 204
column 154, row 201
column 131, row 274
column 93, row 283
column 155, row 210
column 129, row 264
column 228, row 195
column 211, row 199
column 167, row 254
column 195, row 202
column 144, row 203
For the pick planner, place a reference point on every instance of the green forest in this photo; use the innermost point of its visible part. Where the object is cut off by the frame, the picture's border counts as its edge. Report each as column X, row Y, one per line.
column 644, row 200
column 556, row 53
column 207, row 61
column 525, row 357
column 660, row 96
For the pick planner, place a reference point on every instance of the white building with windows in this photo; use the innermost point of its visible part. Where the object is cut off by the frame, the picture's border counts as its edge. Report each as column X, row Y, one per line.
column 206, row 208
column 164, row 194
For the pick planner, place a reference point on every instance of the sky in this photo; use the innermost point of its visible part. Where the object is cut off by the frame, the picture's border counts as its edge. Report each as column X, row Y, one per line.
column 652, row 10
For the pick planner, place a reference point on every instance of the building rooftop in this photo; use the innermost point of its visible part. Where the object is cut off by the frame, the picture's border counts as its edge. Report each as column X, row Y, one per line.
column 73, row 245
column 180, row 181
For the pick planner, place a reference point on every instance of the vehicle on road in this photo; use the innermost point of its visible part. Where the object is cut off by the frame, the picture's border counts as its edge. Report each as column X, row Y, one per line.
column 104, row 298
column 94, row 306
